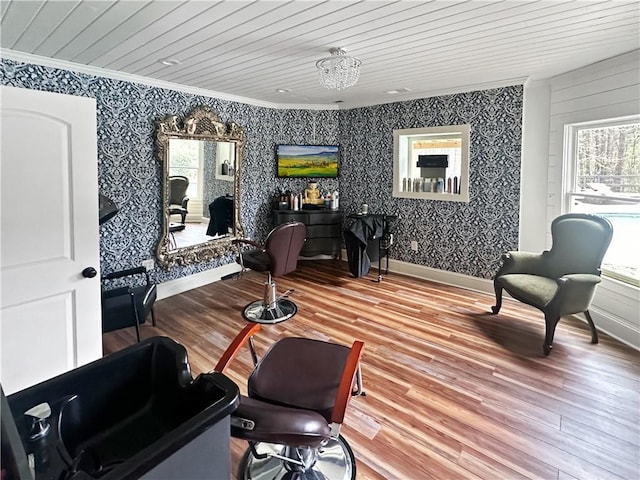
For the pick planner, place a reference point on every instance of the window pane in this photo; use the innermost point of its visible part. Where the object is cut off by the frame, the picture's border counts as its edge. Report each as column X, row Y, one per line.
column 623, row 255
column 608, row 176
column 184, row 159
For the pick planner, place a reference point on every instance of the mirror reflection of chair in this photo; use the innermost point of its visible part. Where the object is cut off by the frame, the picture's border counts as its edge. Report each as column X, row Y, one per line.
column 278, row 256
column 563, row 280
column 298, row 394
column 178, row 199
column 129, row 301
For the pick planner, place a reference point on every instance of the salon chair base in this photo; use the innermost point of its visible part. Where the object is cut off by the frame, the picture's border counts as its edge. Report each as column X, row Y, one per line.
column 272, row 308
column 279, row 311
column 332, row 461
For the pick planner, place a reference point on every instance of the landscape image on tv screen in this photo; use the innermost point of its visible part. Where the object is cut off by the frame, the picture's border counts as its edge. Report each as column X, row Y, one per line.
column 298, row 161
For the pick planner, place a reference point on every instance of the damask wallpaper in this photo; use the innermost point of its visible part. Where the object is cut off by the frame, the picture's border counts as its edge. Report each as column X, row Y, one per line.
column 130, row 174
column 464, row 238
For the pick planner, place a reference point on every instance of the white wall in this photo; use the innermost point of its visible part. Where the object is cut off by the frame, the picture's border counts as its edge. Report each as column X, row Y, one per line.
column 535, row 166
column 607, row 89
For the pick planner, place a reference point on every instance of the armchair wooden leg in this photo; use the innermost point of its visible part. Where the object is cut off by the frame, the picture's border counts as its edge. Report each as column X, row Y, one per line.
column 594, row 332
column 498, row 289
column 550, row 321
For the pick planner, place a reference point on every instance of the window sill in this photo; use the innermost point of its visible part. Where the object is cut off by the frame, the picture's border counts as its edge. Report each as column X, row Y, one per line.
column 445, row 197
column 621, row 278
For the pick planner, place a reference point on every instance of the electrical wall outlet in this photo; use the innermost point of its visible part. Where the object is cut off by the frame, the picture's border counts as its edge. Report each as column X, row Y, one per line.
column 414, row 245
column 149, row 264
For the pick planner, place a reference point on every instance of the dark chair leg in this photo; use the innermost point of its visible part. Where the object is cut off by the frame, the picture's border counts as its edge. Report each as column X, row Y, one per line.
column 550, row 321
column 135, row 313
column 138, row 330
column 498, row 289
column 153, row 317
column 594, row 332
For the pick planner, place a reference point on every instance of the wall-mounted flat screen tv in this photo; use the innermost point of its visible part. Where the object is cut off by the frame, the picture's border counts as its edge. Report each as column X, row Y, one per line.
column 307, row 161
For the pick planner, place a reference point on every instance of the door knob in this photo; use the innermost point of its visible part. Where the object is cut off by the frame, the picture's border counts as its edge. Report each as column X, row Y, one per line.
column 89, row 272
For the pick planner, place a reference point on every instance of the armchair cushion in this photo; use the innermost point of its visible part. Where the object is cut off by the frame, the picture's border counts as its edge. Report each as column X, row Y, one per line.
column 532, row 289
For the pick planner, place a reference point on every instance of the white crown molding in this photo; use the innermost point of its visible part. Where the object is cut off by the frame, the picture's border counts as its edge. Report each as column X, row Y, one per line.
column 128, row 77
column 437, row 93
column 537, row 82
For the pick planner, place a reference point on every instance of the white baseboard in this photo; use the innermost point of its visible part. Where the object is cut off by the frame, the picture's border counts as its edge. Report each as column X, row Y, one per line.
column 179, row 285
column 441, row 276
column 614, row 327
column 616, row 310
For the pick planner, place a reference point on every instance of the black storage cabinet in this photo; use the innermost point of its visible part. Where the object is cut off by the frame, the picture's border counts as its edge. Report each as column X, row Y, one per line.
column 324, row 230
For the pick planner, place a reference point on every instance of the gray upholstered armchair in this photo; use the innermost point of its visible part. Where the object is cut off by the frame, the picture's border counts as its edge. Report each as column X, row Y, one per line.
column 563, row 280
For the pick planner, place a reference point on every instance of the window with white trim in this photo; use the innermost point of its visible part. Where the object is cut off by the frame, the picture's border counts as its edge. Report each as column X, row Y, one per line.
column 602, row 177
column 185, row 158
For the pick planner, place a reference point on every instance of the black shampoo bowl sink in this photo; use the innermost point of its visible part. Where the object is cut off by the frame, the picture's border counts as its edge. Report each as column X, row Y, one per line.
column 130, row 415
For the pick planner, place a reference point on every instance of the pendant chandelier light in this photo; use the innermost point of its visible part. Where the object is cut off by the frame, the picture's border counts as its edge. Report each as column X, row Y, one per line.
column 338, row 71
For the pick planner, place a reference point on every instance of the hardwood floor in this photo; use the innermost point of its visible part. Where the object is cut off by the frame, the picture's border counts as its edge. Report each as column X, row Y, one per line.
column 452, row 391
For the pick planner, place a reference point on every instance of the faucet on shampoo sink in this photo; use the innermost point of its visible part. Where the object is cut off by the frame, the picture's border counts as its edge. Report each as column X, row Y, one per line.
column 38, row 429
column 38, row 416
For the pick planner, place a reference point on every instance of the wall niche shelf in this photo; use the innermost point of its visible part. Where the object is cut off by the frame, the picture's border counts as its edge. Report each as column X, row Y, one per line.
column 432, row 163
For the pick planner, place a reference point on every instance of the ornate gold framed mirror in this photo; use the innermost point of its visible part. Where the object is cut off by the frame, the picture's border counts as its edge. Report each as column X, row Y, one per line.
column 201, row 158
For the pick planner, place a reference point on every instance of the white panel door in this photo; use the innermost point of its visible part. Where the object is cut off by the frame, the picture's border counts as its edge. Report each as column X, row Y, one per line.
column 49, row 312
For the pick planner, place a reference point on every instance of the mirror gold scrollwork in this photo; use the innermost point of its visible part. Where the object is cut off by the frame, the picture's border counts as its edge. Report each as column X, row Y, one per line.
column 201, row 159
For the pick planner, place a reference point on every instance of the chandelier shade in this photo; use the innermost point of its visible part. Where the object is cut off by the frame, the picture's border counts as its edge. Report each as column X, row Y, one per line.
column 339, row 71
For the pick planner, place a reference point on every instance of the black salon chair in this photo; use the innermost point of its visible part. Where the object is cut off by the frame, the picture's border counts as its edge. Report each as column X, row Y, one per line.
column 563, row 280
column 127, row 299
column 278, row 256
column 178, row 200
column 297, row 398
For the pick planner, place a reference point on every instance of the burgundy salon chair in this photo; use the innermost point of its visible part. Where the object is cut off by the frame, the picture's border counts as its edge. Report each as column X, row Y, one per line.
column 278, row 256
column 298, row 393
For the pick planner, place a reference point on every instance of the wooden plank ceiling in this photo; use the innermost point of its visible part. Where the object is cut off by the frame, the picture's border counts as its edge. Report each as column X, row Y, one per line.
column 252, row 49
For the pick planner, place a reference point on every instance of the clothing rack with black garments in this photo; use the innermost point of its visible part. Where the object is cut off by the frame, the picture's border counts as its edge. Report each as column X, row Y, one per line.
column 367, row 239
column 220, row 216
